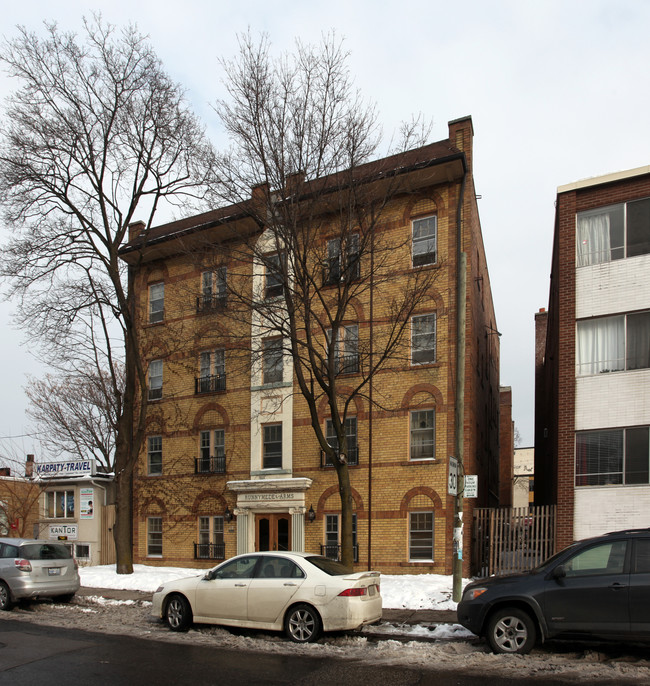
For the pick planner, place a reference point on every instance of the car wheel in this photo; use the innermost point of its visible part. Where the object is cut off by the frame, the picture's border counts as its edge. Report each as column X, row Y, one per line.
column 511, row 630
column 302, row 624
column 5, row 597
column 178, row 613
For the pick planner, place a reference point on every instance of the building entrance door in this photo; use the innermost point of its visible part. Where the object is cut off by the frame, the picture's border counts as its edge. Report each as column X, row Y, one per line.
column 272, row 531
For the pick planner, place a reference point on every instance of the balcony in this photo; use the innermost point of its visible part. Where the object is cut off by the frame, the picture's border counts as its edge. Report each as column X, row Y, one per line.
column 209, row 551
column 334, row 551
column 353, row 458
column 209, row 384
column 210, row 465
column 210, row 303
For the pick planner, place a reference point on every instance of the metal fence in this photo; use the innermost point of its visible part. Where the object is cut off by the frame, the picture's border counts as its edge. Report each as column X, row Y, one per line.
column 512, row 539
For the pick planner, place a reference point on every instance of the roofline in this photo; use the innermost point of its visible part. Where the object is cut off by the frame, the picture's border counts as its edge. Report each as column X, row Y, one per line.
column 606, row 178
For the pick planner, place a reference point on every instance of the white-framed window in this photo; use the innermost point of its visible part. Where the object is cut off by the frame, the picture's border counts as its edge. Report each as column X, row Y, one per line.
column 214, row 289
column 154, row 455
column 423, row 434
column 613, row 232
column 423, row 339
column 210, row 545
column 272, row 360
column 425, row 240
column 154, row 537
column 155, row 379
column 273, row 275
column 212, row 371
column 350, row 435
column 343, row 261
column 346, row 349
column 421, row 536
column 156, row 302
column 272, row 446
column 613, row 457
column 612, row 344
column 59, row 504
column 212, row 452
column 332, row 545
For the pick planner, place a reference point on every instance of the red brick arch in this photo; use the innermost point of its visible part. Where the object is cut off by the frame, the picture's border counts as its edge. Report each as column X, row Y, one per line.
column 334, row 490
column 147, row 503
column 204, row 495
column 433, row 391
column 219, row 409
column 420, row 490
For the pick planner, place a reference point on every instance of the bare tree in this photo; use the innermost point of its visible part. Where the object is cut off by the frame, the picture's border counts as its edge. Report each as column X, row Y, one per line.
column 302, row 138
column 77, row 414
column 96, row 137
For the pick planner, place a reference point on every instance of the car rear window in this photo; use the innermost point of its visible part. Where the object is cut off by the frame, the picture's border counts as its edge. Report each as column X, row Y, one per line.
column 44, row 551
column 331, row 567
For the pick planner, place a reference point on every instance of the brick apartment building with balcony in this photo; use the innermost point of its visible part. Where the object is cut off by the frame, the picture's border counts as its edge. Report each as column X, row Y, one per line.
column 592, row 394
column 230, row 462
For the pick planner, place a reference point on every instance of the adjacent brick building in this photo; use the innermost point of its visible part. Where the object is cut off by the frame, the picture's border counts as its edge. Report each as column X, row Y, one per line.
column 593, row 359
column 230, row 462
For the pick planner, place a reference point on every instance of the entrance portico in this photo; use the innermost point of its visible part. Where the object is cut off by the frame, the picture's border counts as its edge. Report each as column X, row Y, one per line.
column 270, row 514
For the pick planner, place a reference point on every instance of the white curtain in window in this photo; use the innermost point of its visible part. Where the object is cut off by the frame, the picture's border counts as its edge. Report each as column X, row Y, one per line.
column 601, row 345
column 594, row 244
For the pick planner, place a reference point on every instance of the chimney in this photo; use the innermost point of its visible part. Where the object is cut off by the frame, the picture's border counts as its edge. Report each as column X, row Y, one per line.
column 29, row 466
column 461, row 136
column 5, row 471
column 135, row 229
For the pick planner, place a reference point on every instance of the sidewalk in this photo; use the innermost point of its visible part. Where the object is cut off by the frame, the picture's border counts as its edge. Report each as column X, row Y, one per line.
column 391, row 615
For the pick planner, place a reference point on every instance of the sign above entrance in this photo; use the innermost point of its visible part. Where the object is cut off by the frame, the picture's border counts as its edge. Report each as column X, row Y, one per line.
column 51, row 470
column 256, row 497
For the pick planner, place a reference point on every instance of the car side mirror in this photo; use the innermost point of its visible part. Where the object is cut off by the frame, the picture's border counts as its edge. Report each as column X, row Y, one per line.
column 559, row 572
column 210, row 575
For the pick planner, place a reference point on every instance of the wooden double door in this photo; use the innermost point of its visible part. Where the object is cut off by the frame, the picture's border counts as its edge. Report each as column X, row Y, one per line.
column 273, row 531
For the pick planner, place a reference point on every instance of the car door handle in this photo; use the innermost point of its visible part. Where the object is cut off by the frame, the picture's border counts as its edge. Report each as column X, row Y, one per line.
column 618, row 586
column 289, row 583
column 241, row 585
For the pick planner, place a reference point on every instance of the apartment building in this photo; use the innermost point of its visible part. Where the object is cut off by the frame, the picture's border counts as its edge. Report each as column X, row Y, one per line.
column 231, row 462
column 593, row 359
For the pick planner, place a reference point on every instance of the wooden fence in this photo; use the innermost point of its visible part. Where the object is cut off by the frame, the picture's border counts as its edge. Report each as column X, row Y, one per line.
column 512, row 539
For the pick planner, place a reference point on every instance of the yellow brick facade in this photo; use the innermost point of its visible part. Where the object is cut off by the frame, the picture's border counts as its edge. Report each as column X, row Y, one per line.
column 388, row 486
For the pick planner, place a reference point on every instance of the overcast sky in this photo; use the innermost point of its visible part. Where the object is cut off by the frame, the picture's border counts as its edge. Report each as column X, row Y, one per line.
column 557, row 90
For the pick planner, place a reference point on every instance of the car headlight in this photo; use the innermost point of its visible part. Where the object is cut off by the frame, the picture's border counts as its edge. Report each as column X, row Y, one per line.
column 474, row 593
column 159, row 589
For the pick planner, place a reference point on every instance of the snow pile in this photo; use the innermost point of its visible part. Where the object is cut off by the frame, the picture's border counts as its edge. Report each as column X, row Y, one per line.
column 401, row 591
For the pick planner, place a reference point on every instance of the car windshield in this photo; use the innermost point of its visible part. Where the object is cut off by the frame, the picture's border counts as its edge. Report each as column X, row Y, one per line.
column 44, row 551
column 331, row 567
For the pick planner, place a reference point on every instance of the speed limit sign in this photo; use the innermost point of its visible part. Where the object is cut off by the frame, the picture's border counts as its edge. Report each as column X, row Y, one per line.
column 452, row 483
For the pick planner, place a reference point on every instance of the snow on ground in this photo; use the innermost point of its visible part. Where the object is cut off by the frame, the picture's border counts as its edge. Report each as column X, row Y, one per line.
column 402, row 591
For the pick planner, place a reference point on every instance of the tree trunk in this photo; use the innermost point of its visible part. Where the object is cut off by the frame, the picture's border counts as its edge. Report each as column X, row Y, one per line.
column 345, row 491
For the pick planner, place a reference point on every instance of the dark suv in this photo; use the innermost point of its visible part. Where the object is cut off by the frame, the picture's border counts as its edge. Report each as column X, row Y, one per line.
column 598, row 588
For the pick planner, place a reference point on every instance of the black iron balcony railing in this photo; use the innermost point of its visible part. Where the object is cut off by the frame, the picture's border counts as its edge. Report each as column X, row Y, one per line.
column 210, row 465
column 353, row 458
column 334, row 551
column 210, row 303
column 209, row 551
column 210, row 384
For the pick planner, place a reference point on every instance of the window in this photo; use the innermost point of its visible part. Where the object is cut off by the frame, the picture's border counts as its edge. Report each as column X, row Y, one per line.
column 423, row 435
column 423, row 339
column 346, row 349
column 614, row 456
column 213, row 289
column 342, row 265
column 613, row 233
column 212, row 371
column 274, row 278
column 82, row 551
column 156, row 302
column 155, row 379
column 606, row 558
column 425, row 240
column 272, row 447
column 332, row 547
column 421, row 536
column 154, row 536
column 612, row 344
column 211, row 544
column 212, row 452
column 154, row 455
column 272, row 362
column 351, row 438
column 59, row 504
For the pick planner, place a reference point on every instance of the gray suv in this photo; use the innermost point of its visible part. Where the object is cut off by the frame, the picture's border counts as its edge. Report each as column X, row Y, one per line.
column 31, row 568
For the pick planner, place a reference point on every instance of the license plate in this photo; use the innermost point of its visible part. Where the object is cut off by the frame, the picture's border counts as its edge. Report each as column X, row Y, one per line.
column 372, row 590
column 54, row 571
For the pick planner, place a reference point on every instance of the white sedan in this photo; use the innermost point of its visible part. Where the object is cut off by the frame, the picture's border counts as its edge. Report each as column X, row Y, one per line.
column 300, row 593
